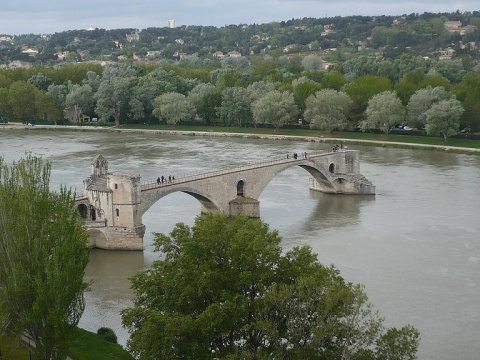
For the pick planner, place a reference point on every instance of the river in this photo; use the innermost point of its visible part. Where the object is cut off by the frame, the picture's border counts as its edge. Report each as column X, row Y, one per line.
column 415, row 245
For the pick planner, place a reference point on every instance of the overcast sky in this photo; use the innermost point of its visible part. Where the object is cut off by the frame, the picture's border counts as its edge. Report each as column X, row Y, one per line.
column 50, row 16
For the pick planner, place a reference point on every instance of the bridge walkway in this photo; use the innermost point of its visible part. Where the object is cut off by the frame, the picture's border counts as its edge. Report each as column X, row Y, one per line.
column 152, row 184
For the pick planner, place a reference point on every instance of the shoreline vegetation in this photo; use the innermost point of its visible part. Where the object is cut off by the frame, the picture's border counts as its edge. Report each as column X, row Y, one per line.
column 86, row 346
column 456, row 145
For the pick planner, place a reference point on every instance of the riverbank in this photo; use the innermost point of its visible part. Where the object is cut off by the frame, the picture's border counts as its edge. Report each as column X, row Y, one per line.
column 215, row 133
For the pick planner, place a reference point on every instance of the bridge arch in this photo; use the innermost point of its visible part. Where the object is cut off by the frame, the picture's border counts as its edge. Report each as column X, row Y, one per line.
column 240, row 188
column 314, row 169
column 151, row 196
column 82, row 211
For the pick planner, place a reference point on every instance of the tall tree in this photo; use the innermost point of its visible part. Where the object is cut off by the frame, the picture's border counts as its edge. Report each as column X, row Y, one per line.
column 443, row 118
column 5, row 107
column 235, row 107
column 81, row 97
column 276, row 108
column 173, row 107
column 361, row 90
column 328, row 110
column 226, row 290
column 114, row 92
column 198, row 93
column 47, row 108
column 468, row 92
column 22, row 100
column 421, row 101
column 58, row 93
column 43, row 254
column 384, row 111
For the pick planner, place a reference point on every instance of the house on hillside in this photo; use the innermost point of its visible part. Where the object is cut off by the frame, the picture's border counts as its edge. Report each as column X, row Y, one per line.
column 133, row 37
column 30, row 52
column 218, row 54
column 234, row 54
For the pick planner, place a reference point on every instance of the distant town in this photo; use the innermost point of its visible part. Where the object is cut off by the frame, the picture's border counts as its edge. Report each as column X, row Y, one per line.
column 442, row 36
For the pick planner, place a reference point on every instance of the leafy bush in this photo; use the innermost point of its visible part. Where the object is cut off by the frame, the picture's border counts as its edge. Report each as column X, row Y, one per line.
column 107, row 334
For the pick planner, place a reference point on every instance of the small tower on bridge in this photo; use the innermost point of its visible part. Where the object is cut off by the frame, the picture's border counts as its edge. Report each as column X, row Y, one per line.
column 113, row 217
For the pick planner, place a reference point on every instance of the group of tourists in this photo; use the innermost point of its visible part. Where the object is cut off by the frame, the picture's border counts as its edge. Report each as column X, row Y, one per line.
column 161, row 180
column 337, row 147
column 296, row 156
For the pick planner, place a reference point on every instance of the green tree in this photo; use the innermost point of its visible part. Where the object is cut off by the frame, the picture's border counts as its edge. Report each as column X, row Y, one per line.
column 276, row 108
column 198, row 93
column 58, row 93
column 225, row 290
column 43, row 254
column 333, row 80
column 421, row 101
column 5, row 107
column 235, row 107
column 328, row 110
column 383, row 112
column 409, row 83
column 443, row 118
column 361, row 90
column 173, row 107
column 468, row 92
column 313, row 62
column 22, row 100
column 81, row 97
column 114, row 92
column 47, row 108
column 398, row 344
column 302, row 91
column 40, row 81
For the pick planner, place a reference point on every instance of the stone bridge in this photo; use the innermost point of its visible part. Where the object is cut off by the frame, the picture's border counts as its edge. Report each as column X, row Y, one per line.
column 113, row 204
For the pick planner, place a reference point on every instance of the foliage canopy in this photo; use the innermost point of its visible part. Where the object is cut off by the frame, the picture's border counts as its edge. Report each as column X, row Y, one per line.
column 225, row 290
column 43, row 255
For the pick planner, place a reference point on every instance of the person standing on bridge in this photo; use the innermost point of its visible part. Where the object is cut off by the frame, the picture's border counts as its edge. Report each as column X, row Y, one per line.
column 158, row 180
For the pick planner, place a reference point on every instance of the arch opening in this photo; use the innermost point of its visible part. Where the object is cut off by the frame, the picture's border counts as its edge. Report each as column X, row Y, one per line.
column 93, row 213
column 82, row 211
column 240, row 188
column 331, row 168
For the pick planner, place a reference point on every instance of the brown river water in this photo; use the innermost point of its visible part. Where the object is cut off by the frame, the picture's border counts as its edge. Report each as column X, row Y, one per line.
column 415, row 245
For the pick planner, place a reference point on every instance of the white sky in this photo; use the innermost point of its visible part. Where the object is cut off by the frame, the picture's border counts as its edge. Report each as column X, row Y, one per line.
column 50, row 16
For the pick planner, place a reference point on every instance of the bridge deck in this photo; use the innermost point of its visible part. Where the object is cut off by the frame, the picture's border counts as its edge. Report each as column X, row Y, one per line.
column 152, row 184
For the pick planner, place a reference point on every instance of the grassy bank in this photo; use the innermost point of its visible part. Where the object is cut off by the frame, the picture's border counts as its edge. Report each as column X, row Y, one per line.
column 458, row 145
column 87, row 346
column 352, row 137
column 90, row 346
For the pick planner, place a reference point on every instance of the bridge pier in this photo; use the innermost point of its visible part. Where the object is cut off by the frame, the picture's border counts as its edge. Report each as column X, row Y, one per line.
column 244, row 206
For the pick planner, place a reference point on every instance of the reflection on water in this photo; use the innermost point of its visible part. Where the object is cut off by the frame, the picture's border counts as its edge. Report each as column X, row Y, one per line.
column 415, row 245
column 336, row 210
column 108, row 274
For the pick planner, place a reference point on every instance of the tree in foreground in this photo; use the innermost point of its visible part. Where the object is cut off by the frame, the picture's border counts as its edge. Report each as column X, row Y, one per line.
column 225, row 290
column 43, row 255
column 328, row 110
column 384, row 111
